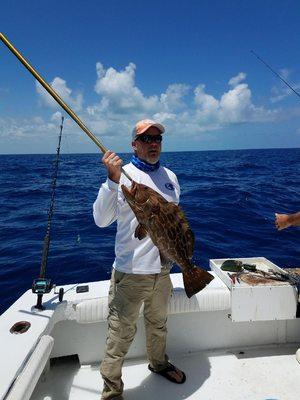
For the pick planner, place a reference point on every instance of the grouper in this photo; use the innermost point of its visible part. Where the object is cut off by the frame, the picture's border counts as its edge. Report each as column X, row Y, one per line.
column 169, row 230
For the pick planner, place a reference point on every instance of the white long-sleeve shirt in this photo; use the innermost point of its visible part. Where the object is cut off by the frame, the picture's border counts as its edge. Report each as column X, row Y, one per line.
column 133, row 255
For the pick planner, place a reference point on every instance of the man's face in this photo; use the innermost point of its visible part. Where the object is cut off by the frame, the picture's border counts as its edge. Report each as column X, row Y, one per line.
column 149, row 152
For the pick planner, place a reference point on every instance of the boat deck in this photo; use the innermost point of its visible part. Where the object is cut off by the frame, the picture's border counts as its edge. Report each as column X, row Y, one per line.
column 268, row 373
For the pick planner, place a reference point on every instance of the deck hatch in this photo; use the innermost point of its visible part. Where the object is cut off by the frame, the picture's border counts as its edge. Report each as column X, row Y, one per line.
column 20, row 327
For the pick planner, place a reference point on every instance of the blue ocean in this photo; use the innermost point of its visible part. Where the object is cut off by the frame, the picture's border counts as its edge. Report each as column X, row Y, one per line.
column 229, row 198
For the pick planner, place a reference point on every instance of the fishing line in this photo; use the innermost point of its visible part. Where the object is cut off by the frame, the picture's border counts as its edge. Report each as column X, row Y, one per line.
column 78, row 236
column 275, row 73
column 74, row 200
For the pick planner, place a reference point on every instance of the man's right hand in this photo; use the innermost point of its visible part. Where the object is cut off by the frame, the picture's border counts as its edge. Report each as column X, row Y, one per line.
column 113, row 164
column 282, row 221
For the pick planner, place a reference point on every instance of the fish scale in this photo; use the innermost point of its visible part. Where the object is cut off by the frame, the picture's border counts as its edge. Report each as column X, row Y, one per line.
column 169, row 230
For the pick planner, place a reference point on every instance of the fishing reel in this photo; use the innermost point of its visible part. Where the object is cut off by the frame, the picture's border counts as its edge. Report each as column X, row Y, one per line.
column 42, row 286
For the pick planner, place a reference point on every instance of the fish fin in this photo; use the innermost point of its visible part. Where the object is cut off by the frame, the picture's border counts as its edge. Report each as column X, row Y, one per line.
column 140, row 232
column 195, row 279
column 165, row 261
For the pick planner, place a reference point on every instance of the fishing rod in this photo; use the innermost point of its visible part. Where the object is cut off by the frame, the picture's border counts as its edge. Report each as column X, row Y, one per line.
column 42, row 285
column 56, row 97
column 275, row 73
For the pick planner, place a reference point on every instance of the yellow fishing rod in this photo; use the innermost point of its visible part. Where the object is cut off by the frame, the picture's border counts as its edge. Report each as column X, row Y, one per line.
column 42, row 285
column 56, row 97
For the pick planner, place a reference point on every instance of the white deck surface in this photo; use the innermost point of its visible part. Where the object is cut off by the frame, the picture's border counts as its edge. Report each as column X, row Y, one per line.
column 269, row 373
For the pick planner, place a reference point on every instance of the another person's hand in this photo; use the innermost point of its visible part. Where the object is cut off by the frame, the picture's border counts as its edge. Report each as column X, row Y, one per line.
column 282, row 221
column 113, row 164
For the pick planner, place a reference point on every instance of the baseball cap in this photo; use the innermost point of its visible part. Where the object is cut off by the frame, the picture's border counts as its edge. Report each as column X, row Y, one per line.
column 145, row 124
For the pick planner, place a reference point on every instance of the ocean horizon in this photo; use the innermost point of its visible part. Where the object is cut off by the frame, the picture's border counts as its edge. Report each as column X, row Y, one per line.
column 228, row 196
column 164, row 151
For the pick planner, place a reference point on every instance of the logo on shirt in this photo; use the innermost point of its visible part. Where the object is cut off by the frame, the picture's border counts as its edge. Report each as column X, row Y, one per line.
column 169, row 186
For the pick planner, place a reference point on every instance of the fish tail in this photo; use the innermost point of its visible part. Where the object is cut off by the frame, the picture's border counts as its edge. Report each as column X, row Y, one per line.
column 195, row 279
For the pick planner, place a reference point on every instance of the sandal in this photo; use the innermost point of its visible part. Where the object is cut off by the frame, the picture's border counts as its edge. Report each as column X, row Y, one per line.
column 165, row 373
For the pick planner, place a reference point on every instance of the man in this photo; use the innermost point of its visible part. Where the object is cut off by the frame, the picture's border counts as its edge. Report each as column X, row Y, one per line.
column 137, row 275
column 283, row 221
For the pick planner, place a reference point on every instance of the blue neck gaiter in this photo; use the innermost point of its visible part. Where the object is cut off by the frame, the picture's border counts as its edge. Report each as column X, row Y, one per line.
column 143, row 165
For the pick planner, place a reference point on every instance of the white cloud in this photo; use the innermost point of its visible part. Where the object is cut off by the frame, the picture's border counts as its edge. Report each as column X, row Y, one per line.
column 121, row 103
column 56, row 117
column 121, row 99
column 172, row 99
column 26, row 127
column 61, row 88
column 234, row 106
column 279, row 93
column 205, row 102
column 237, row 79
column 120, row 92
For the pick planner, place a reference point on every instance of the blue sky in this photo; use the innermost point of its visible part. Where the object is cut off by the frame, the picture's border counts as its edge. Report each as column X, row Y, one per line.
column 186, row 64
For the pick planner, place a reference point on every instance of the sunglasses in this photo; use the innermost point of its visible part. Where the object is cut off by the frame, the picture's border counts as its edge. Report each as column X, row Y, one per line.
column 149, row 138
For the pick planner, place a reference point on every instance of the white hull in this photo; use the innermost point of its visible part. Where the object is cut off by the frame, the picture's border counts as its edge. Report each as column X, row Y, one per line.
column 222, row 359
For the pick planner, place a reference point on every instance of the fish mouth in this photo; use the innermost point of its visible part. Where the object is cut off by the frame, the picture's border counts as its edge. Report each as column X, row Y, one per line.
column 130, row 193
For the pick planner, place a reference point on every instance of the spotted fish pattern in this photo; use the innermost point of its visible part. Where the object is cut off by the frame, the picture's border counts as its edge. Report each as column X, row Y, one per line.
column 169, row 230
